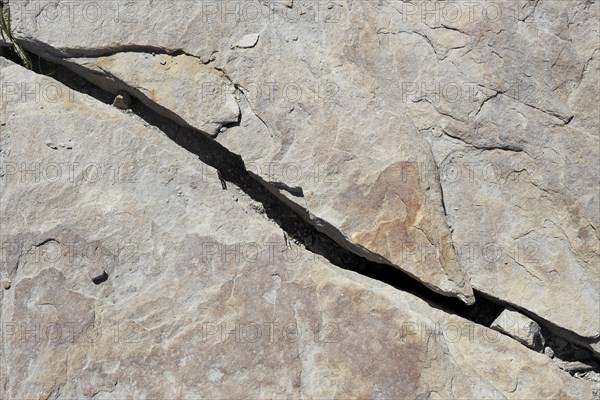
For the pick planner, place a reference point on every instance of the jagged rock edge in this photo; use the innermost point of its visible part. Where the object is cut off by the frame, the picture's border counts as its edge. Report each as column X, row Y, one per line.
column 321, row 226
column 110, row 83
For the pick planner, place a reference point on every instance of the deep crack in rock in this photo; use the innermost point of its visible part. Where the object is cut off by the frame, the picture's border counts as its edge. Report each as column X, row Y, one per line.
column 231, row 169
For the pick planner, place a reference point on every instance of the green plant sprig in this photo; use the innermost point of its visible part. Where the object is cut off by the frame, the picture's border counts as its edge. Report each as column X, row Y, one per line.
column 5, row 21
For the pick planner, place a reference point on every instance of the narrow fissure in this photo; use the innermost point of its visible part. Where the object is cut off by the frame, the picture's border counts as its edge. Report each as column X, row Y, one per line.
column 230, row 168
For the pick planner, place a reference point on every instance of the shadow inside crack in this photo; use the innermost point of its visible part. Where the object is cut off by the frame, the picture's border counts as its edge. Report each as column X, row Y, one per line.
column 231, row 169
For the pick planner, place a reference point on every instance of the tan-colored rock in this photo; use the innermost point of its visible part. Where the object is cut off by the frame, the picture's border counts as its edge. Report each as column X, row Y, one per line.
column 205, row 297
column 180, row 87
column 519, row 327
column 384, row 204
column 6, row 283
column 509, row 86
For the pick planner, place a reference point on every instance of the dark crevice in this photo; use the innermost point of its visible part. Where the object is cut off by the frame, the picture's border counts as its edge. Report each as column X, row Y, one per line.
column 39, row 47
column 100, row 279
column 10, row 54
column 230, row 168
column 46, row 242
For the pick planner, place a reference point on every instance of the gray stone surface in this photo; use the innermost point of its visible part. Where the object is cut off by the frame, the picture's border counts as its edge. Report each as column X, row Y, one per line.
column 520, row 327
column 497, row 99
column 194, row 272
column 456, row 141
column 185, row 89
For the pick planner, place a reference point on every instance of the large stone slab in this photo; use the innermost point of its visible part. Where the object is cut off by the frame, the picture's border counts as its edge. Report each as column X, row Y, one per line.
column 362, row 90
column 361, row 171
column 204, row 296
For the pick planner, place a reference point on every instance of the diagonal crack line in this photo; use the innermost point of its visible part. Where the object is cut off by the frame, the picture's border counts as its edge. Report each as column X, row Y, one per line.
column 508, row 147
column 58, row 54
column 232, row 169
column 243, row 91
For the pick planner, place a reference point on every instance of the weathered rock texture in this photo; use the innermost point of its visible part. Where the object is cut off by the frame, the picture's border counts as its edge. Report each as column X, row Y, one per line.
column 192, row 93
column 365, row 105
column 204, row 296
column 394, row 212
column 368, row 177
column 456, row 141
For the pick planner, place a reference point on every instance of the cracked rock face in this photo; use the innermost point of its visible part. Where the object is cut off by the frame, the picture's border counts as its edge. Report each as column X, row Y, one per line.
column 499, row 105
column 178, row 87
column 368, row 177
column 205, row 298
column 455, row 141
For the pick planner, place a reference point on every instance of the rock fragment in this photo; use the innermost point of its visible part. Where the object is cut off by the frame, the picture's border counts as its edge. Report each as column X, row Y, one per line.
column 6, row 283
column 97, row 274
column 519, row 327
column 248, row 41
column 122, row 101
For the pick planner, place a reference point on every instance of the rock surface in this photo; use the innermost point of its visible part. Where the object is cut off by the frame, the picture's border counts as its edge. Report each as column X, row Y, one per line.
column 456, row 141
column 368, row 177
column 205, row 298
column 182, row 87
column 363, row 105
column 397, row 213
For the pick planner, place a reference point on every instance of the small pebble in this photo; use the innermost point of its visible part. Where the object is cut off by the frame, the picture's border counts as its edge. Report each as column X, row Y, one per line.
column 6, row 283
column 549, row 352
column 52, row 145
column 122, row 101
column 163, row 62
column 97, row 274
